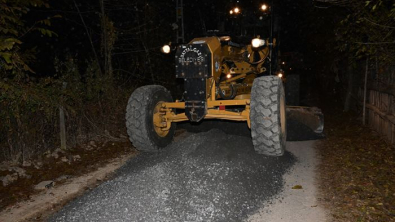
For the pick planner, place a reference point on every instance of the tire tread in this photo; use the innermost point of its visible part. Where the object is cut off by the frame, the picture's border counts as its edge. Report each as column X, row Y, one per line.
column 265, row 116
column 136, row 117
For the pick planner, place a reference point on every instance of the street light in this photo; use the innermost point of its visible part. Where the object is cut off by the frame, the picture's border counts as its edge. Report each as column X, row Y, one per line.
column 264, row 7
column 234, row 11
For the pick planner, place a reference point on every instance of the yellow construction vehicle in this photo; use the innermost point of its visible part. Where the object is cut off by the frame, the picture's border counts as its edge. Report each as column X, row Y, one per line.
column 222, row 80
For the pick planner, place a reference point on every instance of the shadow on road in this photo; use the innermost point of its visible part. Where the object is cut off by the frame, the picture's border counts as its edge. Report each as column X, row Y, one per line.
column 296, row 131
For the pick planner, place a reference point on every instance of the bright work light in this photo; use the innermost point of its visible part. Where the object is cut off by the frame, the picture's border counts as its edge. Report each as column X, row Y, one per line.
column 257, row 42
column 165, row 49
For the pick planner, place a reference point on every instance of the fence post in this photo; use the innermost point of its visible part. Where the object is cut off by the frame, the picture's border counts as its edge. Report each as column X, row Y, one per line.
column 62, row 123
column 364, row 92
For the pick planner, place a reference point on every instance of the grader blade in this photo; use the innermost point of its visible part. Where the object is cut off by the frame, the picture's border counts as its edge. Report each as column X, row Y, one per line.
column 311, row 117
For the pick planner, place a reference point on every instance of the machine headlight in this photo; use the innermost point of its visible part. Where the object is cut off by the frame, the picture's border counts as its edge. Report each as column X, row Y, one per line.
column 224, row 38
column 280, row 73
column 165, row 49
column 257, row 42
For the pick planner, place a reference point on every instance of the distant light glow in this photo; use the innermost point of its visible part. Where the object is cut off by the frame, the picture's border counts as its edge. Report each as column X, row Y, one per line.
column 264, row 7
column 229, row 76
column 231, row 12
column 283, row 63
column 280, row 75
column 236, row 10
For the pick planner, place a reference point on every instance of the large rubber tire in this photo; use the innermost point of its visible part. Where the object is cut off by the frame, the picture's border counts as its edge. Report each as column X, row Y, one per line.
column 268, row 116
column 292, row 90
column 139, row 118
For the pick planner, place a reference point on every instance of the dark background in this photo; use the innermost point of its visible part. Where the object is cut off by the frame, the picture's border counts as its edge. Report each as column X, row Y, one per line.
column 302, row 27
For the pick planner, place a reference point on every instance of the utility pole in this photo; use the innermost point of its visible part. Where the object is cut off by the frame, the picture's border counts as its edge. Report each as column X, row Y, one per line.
column 180, row 21
column 106, row 53
column 62, row 123
column 271, row 38
column 365, row 92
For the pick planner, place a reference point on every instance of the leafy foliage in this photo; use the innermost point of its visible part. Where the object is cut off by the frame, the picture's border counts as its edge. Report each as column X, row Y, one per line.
column 66, row 75
column 29, row 106
column 369, row 30
column 12, row 29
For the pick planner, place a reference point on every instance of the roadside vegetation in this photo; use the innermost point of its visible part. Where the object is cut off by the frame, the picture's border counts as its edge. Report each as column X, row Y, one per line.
column 357, row 170
column 70, row 57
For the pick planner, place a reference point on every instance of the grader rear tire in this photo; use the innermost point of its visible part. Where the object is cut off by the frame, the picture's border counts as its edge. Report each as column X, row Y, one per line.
column 143, row 134
column 292, row 90
column 268, row 116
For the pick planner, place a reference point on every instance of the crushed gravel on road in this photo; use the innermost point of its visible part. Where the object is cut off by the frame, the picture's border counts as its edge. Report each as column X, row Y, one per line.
column 207, row 176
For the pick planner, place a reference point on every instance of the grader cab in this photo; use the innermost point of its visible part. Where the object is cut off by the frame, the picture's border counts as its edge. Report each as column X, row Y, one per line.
column 222, row 80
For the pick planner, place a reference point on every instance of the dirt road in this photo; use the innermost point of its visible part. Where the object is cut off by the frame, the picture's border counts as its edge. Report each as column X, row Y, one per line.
column 207, row 176
column 298, row 200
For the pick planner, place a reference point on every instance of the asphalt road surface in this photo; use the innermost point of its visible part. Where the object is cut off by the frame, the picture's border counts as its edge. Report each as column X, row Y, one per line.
column 205, row 176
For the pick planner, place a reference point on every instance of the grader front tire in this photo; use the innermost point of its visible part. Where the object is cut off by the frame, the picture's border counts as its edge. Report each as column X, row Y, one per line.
column 141, row 129
column 268, row 116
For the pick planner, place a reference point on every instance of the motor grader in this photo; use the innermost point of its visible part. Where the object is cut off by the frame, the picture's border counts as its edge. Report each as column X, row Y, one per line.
column 222, row 80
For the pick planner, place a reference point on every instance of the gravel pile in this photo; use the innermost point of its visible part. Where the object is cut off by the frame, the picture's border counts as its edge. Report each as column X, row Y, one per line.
column 208, row 176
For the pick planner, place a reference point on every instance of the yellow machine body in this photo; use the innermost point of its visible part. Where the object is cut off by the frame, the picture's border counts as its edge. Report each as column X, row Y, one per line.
column 233, row 70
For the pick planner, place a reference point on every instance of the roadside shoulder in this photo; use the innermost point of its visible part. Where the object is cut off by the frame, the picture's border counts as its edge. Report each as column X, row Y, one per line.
column 41, row 205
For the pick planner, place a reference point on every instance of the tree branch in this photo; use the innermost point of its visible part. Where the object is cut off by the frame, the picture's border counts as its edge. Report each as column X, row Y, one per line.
column 374, row 43
column 374, row 23
column 89, row 36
